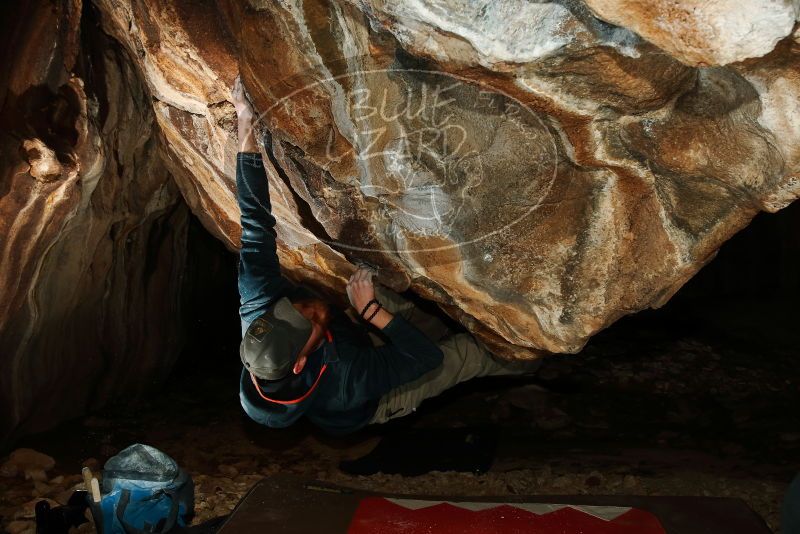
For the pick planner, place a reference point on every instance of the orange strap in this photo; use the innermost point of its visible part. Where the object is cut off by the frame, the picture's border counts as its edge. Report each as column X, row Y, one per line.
column 299, row 399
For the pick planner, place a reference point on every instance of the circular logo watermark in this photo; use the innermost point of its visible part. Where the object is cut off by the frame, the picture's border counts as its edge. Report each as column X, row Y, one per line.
column 418, row 159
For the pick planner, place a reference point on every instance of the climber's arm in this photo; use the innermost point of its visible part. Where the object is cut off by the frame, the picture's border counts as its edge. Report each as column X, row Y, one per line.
column 372, row 372
column 260, row 280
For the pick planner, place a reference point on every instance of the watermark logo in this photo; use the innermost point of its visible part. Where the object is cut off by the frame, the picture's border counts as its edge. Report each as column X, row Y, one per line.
column 436, row 161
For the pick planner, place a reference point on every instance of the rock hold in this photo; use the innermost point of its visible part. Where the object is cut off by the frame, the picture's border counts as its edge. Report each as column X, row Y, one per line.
column 42, row 159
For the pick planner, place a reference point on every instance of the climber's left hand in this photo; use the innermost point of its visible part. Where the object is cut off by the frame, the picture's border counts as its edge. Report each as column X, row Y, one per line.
column 240, row 100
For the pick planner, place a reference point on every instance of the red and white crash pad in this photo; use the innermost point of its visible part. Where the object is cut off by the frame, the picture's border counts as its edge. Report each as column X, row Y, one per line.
column 415, row 516
column 291, row 505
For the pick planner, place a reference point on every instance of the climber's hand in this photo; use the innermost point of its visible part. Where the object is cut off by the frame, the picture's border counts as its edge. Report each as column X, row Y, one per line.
column 245, row 114
column 240, row 101
column 360, row 289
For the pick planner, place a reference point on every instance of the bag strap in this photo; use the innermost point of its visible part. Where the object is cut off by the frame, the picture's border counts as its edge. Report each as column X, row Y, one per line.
column 125, row 498
column 122, row 504
column 298, row 400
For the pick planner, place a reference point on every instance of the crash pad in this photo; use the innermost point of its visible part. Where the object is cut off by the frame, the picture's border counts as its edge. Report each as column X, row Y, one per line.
column 291, row 505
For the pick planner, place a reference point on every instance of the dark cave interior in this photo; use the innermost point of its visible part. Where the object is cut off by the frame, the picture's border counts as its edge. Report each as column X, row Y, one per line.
column 696, row 397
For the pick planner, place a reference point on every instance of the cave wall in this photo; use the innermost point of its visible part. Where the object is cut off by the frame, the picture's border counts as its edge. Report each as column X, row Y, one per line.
column 534, row 169
column 92, row 225
column 538, row 170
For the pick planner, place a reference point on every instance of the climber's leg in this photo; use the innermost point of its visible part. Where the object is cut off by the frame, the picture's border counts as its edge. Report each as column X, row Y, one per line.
column 464, row 358
column 431, row 326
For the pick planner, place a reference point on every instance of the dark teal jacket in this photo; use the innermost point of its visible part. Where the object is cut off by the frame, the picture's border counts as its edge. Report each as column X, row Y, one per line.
column 358, row 374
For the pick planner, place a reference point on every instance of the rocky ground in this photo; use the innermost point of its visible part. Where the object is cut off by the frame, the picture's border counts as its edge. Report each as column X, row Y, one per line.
column 644, row 409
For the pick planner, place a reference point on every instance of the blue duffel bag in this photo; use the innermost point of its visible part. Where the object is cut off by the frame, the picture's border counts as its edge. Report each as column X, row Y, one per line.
column 143, row 491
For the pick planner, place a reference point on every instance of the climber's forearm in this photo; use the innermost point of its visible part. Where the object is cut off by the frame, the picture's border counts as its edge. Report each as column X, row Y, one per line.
column 380, row 319
column 247, row 138
column 260, row 280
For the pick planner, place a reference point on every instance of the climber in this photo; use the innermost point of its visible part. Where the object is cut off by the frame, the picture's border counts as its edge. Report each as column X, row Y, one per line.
column 303, row 356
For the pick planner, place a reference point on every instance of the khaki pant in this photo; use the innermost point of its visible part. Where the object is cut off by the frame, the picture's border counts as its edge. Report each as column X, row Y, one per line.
column 464, row 358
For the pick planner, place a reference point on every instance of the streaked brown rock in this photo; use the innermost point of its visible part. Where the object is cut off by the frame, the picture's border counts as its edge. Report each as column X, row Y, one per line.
column 92, row 226
column 537, row 172
column 595, row 176
column 705, row 33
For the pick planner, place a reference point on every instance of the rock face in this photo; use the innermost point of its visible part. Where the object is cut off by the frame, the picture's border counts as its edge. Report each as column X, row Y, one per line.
column 536, row 171
column 703, row 32
column 533, row 169
column 92, row 226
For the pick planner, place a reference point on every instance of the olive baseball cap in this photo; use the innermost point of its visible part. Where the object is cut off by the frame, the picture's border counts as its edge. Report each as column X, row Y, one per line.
column 273, row 341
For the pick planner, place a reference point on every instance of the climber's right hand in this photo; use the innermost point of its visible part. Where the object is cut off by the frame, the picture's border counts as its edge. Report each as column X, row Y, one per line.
column 360, row 289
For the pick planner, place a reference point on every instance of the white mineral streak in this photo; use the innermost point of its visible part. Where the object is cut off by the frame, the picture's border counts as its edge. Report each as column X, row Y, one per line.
column 504, row 31
column 705, row 32
column 780, row 111
column 42, row 160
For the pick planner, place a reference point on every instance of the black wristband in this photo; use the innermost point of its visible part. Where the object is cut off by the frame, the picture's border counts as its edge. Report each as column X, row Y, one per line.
column 370, row 303
column 375, row 312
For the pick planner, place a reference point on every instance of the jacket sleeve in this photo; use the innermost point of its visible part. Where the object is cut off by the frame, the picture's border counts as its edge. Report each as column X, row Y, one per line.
column 374, row 371
column 260, row 279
